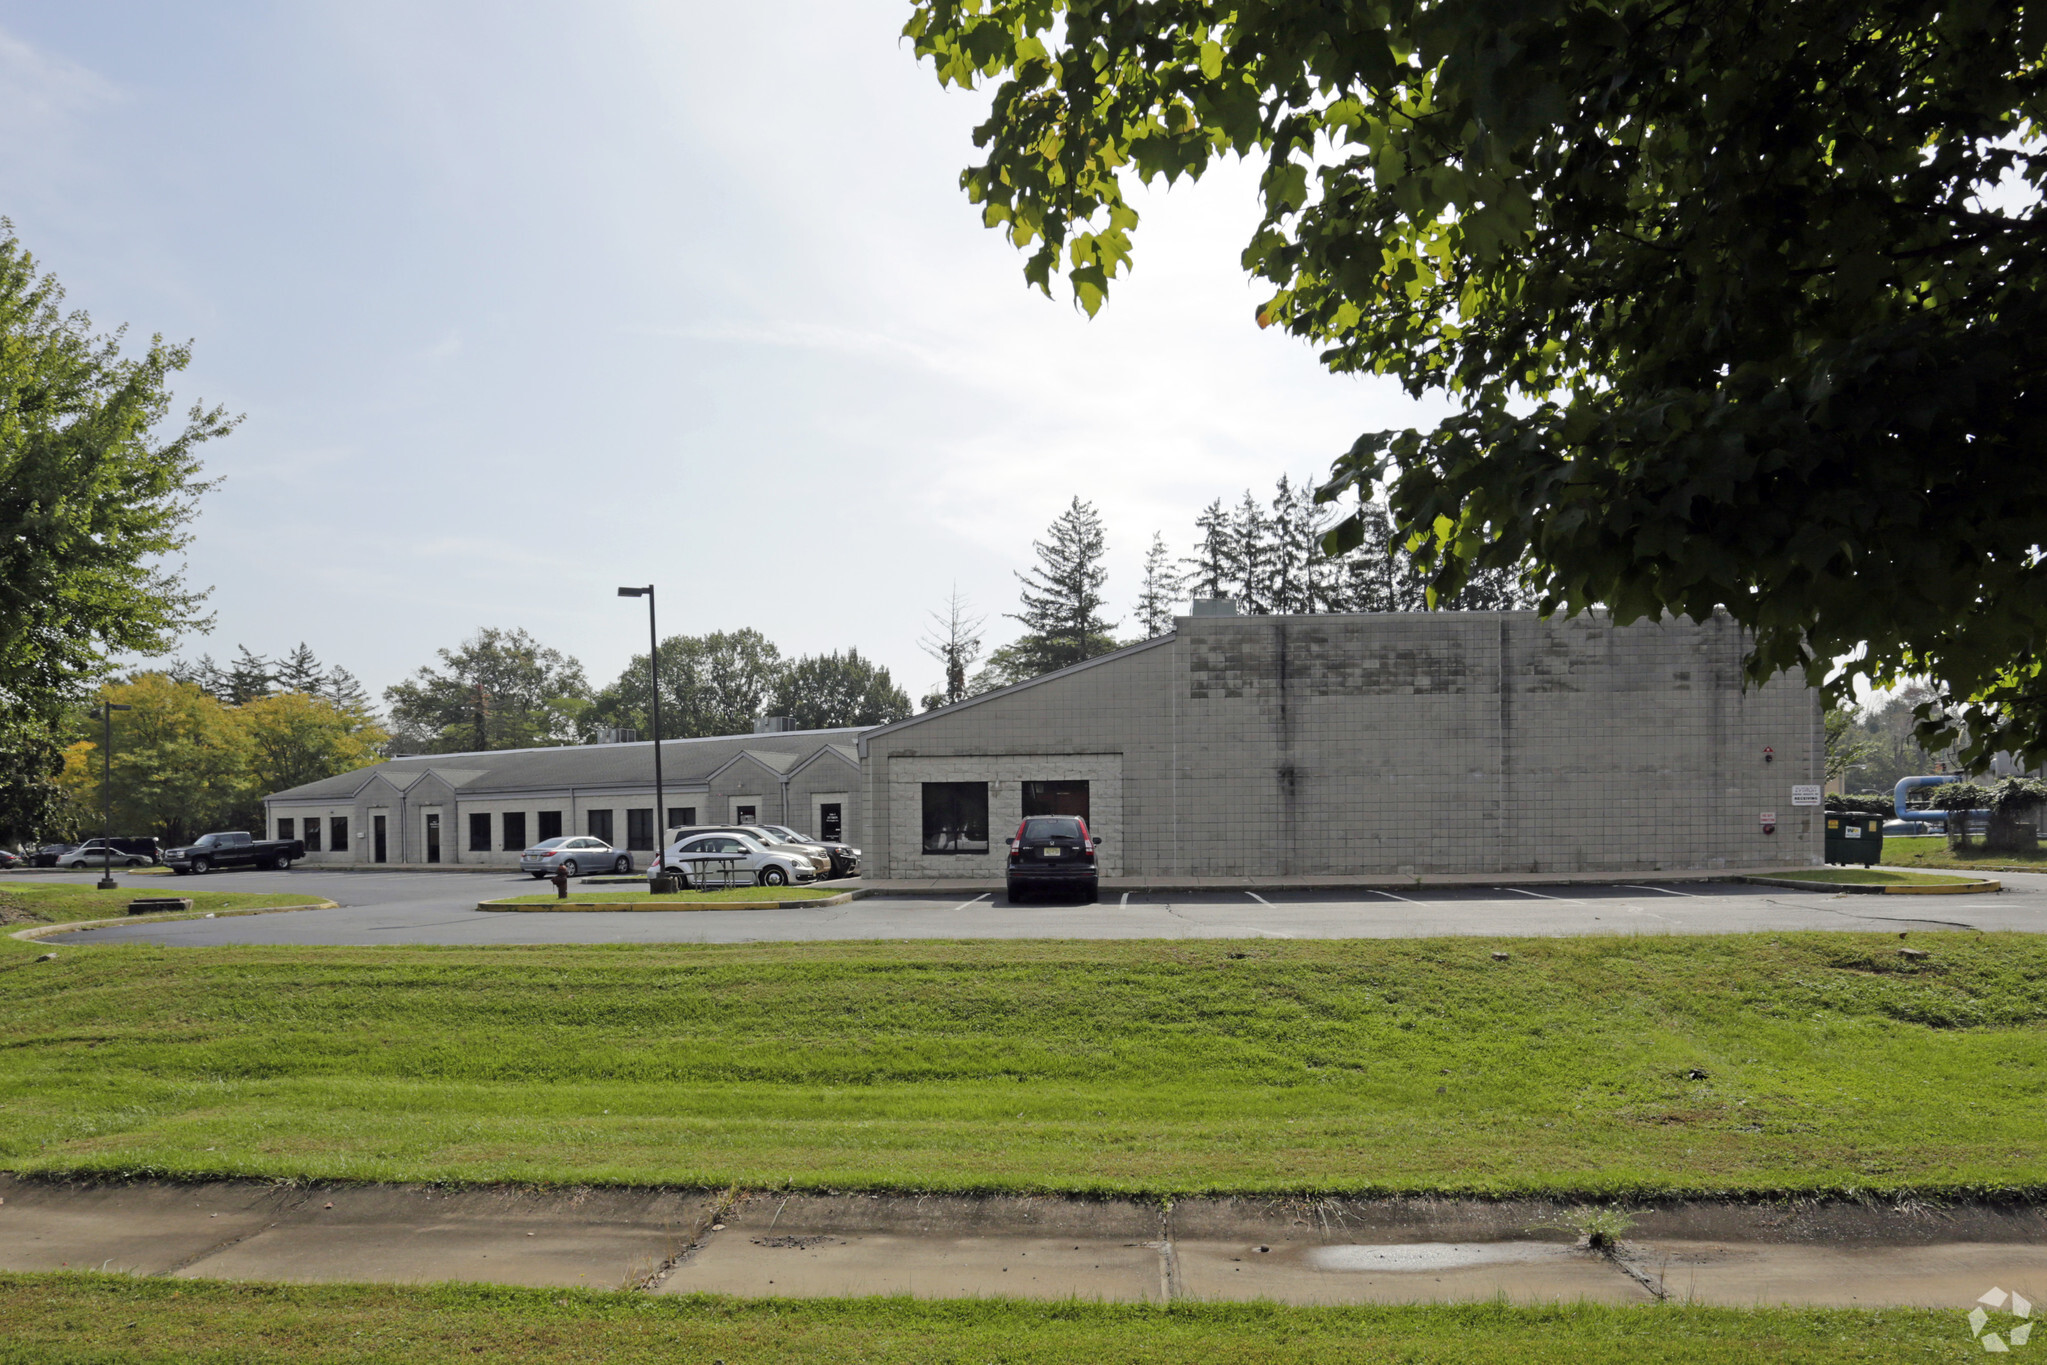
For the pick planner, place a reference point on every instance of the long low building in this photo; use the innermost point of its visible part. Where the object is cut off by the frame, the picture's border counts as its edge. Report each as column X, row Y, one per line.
column 1351, row 745
column 486, row 807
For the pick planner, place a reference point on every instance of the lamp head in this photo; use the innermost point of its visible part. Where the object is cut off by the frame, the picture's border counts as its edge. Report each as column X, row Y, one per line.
column 634, row 592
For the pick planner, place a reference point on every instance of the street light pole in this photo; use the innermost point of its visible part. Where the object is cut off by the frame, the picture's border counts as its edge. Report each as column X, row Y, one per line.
column 654, row 672
column 107, row 709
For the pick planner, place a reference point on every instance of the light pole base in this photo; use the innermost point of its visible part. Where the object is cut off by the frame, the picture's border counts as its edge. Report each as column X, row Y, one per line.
column 107, row 884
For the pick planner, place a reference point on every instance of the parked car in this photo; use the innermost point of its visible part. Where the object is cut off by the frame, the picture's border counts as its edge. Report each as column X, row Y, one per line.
column 48, row 854
column 845, row 858
column 232, row 848
column 127, row 853
column 820, row 858
column 1053, row 851
column 576, row 854
column 752, row 860
column 10, row 859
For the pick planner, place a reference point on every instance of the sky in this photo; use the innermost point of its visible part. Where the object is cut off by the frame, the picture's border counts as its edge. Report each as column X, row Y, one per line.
column 523, row 303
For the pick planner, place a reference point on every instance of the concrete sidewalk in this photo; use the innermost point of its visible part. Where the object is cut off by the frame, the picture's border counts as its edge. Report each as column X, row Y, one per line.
column 1330, row 1251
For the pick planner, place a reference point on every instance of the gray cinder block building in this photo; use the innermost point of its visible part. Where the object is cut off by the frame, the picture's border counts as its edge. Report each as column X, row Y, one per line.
column 1452, row 742
column 483, row 808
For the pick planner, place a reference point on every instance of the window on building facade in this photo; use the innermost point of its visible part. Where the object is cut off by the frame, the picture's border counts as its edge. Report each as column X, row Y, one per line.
column 600, row 825
column 337, row 834
column 1055, row 798
column 514, row 822
column 312, row 835
column 285, row 828
column 831, row 823
column 955, row 817
column 550, row 825
column 681, row 815
column 479, row 831
column 639, row 829
column 746, row 815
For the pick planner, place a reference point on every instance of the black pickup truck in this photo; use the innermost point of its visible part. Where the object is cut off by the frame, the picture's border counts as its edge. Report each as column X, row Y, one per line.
column 234, row 849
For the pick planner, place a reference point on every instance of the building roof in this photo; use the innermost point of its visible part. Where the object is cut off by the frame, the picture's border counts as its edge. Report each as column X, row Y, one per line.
column 683, row 761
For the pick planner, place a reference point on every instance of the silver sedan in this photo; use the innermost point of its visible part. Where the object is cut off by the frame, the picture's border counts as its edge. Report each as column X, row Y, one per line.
column 576, row 855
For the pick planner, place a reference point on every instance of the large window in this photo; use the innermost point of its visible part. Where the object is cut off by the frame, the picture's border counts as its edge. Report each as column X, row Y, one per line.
column 550, row 826
column 1055, row 798
column 955, row 817
column 285, row 828
column 312, row 834
column 600, row 825
column 337, row 834
column 479, row 831
column 515, row 831
column 639, row 829
column 681, row 815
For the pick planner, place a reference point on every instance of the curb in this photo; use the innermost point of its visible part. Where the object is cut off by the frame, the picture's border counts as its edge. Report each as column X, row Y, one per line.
column 650, row 907
column 1865, row 889
column 41, row 931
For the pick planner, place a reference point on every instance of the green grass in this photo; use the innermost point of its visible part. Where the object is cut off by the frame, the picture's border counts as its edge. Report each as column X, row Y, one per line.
column 58, row 1319
column 33, row 903
column 1872, row 876
column 734, row 893
column 1932, row 851
column 1829, row 1063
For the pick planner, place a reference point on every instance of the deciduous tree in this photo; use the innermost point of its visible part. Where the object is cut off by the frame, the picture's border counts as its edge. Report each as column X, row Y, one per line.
column 501, row 690
column 823, row 691
column 1741, row 305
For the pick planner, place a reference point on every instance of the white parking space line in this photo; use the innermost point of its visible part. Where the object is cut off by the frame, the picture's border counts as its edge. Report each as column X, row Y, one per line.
column 977, row 900
column 1693, row 895
column 1256, row 897
column 1539, row 895
column 1125, row 901
column 1390, row 896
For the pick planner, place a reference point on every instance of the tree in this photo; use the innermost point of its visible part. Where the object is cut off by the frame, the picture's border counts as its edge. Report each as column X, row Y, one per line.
column 716, row 684
column 94, row 498
column 824, row 691
column 1062, row 596
column 250, row 676
column 1213, row 566
column 501, row 690
column 180, row 762
column 1849, row 747
column 1251, row 537
column 300, row 671
column 955, row 642
column 1735, row 311
column 1160, row 592
column 296, row 737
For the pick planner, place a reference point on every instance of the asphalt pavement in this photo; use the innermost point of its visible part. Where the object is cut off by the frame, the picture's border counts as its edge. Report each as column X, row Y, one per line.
column 440, row 908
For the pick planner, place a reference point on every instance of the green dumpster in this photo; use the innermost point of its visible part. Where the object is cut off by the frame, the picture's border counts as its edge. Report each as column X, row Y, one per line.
column 1854, row 838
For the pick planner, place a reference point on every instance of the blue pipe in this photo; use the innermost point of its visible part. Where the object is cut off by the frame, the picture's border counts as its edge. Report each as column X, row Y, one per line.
column 1906, row 784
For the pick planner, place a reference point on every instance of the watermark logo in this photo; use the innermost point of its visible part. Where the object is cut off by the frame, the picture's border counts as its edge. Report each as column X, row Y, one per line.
column 1997, row 1301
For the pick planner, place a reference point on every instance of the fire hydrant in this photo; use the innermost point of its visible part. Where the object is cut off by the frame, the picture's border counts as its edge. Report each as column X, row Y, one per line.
column 561, row 884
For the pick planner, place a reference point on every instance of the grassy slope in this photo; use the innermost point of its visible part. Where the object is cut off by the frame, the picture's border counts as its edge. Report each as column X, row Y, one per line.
column 68, row 902
column 1922, row 851
column 65, row 1318
column 1830, row 1062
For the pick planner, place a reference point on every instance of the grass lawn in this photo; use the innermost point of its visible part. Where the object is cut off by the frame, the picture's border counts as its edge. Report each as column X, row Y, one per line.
column 639, row 893
column 64, row 1318
column 31, row 903
column 1924, row 851
column 1827, row 1063
column 1872, row 876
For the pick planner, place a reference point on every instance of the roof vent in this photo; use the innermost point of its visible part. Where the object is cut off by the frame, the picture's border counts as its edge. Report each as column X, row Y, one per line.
column 1213, row 606
column 607, row 734
column 771, row 725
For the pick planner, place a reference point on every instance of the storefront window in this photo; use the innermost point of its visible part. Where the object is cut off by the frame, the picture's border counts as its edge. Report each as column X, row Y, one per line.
column 955, row 817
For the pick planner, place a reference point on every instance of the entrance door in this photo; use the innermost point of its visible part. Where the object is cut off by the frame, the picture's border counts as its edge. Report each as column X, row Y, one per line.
column 433, row 837
column 377, row 838
column 830, row 824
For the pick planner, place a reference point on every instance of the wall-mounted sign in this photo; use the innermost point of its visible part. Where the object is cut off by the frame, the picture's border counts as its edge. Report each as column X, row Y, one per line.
column 1805, row 795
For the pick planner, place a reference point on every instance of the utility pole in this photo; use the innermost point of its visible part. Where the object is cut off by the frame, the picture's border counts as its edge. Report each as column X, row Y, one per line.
column 654, row 714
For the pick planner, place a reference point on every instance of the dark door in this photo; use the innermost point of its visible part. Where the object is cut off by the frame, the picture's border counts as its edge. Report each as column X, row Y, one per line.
column 377, row 838
column 433, row 837
column 830, row 825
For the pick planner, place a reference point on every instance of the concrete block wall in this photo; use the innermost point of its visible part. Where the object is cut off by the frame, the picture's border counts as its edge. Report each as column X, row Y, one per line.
column 1400, row 743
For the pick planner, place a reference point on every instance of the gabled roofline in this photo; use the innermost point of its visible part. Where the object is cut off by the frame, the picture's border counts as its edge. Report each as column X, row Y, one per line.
column 958, row 706
column 822, row 750
column 742, row 755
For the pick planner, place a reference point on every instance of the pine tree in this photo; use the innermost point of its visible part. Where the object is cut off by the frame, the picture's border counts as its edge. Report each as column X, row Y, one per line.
column 250, row 676
column 1161, row 590
column 300, row 671
column 1302, row 578
column 1213, row 567
column 346, row 691
column 1062, row 597
column 955, row 642
column 1251, row 534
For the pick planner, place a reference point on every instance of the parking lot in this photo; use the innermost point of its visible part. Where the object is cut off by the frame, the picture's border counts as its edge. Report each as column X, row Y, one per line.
column 439, row 908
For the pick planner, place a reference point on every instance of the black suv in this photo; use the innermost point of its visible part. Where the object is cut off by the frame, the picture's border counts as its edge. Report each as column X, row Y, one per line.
column 1053, row 851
